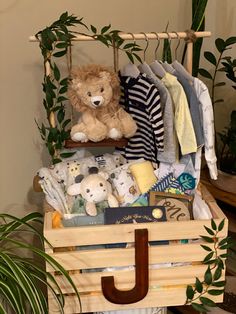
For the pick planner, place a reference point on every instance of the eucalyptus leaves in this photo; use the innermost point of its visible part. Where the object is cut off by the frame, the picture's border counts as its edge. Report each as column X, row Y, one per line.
column 55, row 42
column 198, row 294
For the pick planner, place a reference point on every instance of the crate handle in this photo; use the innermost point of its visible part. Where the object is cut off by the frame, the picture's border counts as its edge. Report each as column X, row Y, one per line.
column 112, row 294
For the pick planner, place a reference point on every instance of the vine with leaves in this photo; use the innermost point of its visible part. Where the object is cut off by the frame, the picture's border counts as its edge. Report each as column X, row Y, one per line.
column 55, row 41
column 197, row 295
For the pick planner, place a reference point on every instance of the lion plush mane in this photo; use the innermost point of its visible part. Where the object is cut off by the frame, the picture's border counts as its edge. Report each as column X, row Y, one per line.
column 94, row 91
column 85, row 75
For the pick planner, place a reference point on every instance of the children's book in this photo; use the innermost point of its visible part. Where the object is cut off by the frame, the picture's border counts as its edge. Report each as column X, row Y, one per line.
column 138, row 214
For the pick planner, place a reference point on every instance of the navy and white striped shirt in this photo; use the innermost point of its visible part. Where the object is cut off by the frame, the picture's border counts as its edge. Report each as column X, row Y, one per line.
column 141, row 99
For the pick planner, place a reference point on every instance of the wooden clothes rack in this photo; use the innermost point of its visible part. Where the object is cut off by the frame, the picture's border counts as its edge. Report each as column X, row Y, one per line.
column 189, row 36
column 154, row 36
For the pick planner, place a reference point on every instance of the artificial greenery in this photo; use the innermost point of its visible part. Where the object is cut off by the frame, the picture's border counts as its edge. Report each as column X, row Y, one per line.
column 230, row 69
column 228, row 151
column 22, row 278
column 228, row 136
column 218, row 61
column 198, row 294
column 198, row 24
column 55, row 42
column 166, row 53
column 222, row 62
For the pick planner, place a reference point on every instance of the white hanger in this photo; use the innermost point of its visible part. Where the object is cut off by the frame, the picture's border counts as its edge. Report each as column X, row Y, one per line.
column 130, row 69
column 155, row 66
column 158, row 69
column 168, row 67
column 144, row 67
column 180, row 68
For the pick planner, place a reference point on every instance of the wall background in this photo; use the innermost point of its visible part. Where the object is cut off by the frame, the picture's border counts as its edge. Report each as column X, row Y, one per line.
column 22, row 152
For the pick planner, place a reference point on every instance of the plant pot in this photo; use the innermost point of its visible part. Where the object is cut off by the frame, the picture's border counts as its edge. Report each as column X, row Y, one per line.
column 225, row 182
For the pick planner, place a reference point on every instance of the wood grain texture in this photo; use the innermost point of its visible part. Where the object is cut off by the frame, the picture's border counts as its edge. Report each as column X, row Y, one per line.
column 105, row 143
column 91, row 235
column 124, row 279
column 167, row 286
column 159, row 297
column 88, row 259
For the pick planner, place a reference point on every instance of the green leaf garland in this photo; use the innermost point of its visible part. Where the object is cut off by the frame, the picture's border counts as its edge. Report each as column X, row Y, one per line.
column 198, row 294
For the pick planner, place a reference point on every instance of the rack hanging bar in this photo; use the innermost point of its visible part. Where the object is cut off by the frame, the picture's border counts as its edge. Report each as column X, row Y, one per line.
column 140, row 36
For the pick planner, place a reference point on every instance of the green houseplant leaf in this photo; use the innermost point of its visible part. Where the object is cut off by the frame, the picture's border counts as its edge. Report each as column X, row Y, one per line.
column 198, row 24
column 22, row 279
column 55, row 43
column 210, row 57
column 198, row 294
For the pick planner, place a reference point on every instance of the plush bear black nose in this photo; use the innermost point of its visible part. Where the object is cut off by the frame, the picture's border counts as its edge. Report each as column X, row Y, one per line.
column 93, row 170
column 79, row 178
column 96, row 103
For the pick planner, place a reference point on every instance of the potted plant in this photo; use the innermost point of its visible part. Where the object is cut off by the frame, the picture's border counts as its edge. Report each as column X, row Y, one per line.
column 228, row 136
column 23, row 278
column 228, row 151
column 226, row 147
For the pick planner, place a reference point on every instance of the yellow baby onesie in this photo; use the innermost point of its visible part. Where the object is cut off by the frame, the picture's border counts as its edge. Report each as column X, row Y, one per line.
column 183, row 122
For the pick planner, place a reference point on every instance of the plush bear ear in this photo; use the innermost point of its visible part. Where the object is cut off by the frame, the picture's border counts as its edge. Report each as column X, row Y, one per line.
column 79, row 178
column 105, row 75
column 103, row 174
column 74, row 189
column 112, row 175
column 76, row 83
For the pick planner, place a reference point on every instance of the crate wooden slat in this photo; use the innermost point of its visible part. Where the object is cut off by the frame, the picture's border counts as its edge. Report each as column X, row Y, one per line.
column 165, row 276
column 124, row 232
column 125, row 257
column 167, row 285
column 160, row 297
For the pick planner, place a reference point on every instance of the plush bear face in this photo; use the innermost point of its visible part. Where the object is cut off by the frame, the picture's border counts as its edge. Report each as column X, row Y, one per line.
column 94, row 92
column 94, row 188
column 95, row 87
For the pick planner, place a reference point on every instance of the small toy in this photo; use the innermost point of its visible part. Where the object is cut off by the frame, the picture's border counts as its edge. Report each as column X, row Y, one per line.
column 94, row 188
column 94, row 91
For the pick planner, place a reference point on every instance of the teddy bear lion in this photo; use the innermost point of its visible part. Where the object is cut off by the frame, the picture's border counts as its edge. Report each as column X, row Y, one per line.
column 94, row 91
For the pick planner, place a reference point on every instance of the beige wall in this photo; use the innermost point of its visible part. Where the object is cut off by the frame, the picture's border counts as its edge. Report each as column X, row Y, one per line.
column 22, row 152
column 221, row 20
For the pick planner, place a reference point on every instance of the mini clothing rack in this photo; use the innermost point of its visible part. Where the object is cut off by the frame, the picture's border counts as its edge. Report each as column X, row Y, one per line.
column 189, row 36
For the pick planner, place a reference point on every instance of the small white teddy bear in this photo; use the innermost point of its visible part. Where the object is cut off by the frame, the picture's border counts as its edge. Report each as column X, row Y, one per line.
column 94, row 188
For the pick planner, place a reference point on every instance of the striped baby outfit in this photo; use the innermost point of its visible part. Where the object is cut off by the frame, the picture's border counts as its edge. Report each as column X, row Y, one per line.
column 141, row 99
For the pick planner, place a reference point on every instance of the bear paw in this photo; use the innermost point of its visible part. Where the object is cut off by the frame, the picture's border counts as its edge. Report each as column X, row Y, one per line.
column 114, row 134
column 79, row 137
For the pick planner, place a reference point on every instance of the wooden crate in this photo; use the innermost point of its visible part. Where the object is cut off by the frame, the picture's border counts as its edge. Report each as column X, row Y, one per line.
column 167, row 286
